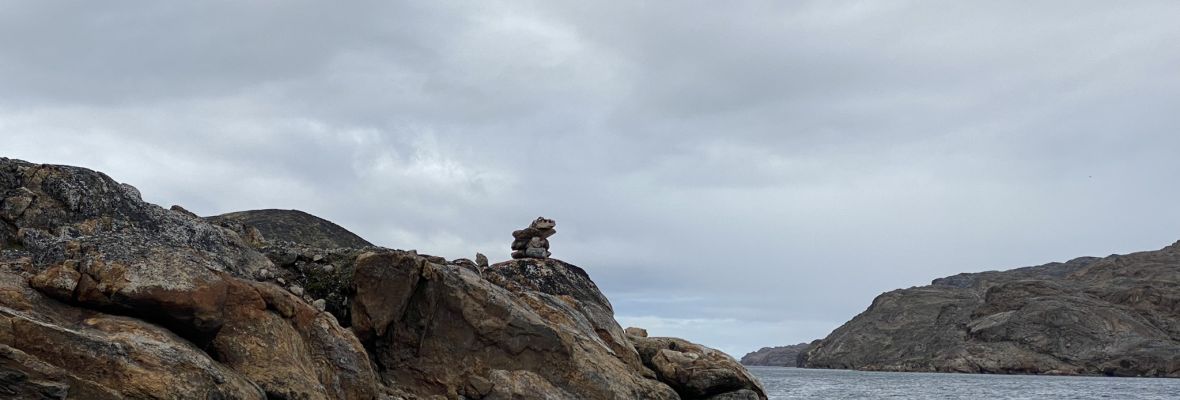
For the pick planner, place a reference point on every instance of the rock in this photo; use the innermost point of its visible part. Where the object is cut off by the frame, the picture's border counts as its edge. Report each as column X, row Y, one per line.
column 781, row 356
column 740, row 394
column 1096, row 316
column 199, row 317
column 183, row 211
column 465, row 263
column 479, row 387
column 47, row 345
column 58, row 281
column 695, row 371
column 633, row 331
column 532, row 242
column 192, row 322
column 383, row 283
column 294, row 226
column 536, row 252
column 432, row 327
column 481, row 260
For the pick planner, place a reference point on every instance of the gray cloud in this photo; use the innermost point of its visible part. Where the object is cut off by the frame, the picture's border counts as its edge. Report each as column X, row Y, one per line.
column 742, row 175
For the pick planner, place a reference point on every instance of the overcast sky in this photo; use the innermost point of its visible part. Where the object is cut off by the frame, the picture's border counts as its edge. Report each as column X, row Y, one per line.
column 741, row 174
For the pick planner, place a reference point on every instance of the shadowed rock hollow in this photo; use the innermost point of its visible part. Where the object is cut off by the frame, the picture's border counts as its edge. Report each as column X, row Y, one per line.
column 104, row 296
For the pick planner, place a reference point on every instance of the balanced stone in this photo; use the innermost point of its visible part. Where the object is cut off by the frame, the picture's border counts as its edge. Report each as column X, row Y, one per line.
column 533, row 242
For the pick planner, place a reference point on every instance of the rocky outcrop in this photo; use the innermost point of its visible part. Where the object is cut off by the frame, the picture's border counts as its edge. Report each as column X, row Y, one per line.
column 443, row 329
column 780, row 356
column 103, row 296
column 697, row 372
column 533, row 241
column 157, row 298
column 1116, row 315
column 294, row 226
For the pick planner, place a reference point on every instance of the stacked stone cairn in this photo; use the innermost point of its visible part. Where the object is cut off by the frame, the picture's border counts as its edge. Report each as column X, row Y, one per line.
column 533, row 242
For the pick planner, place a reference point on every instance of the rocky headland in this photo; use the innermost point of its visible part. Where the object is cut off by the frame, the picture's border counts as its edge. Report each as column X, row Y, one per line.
column 105, row 296
column 778, row 356
column 1116, row 315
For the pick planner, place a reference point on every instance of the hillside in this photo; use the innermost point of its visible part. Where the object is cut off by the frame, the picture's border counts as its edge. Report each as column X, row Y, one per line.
column 294, row 226
column 1118, row 315
column 779, row 356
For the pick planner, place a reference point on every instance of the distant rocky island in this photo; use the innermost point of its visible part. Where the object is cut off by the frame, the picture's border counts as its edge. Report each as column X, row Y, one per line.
column 780, row 356
column 1115, row 316
column 105, row 296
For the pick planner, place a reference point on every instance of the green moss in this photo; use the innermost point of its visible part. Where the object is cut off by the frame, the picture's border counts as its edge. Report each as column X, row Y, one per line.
column 334, row 287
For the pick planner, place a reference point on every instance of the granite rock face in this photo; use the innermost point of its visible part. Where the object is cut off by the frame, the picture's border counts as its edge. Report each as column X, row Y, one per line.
column 697, row 372
column 156, row 297
column 171, row 305
column 1118, row 315
column 780, row 356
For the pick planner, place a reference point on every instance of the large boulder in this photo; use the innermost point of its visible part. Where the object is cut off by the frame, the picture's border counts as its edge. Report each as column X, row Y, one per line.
column 697, row 372
column 59, row 351
column 437, row 328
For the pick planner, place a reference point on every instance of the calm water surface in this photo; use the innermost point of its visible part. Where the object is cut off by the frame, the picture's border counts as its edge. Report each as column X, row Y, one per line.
column 795, row 383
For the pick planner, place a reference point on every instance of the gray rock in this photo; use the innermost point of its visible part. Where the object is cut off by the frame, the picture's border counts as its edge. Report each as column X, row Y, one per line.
column 537, row 252
column 320, row 304
column 695, row 371
column 740, row 394
column 532, row 242
column 542, row 223
column 781, row 356
column 182, row 211
column 184, row 290
column 1096, row 316
column 633, row 331
column 296, row 290
column 481, row 260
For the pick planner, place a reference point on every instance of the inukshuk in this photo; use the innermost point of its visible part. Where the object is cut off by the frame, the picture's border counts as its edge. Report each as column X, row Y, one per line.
column 533, row 242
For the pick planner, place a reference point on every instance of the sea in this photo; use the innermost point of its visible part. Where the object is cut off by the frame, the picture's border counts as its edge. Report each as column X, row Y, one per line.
column 799, row 383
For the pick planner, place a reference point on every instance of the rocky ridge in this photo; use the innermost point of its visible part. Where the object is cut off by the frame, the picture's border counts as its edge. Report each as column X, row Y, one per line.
column 292, row 226
column 779, row 356
column 171, row 305
column 1117, row 315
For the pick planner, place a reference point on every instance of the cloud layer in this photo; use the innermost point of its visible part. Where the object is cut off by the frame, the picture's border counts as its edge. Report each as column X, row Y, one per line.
column 742, row 175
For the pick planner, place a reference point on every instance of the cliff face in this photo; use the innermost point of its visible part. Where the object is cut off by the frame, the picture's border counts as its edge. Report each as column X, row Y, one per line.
column 103, row 296
column 1118, row 315
column 779, row 356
